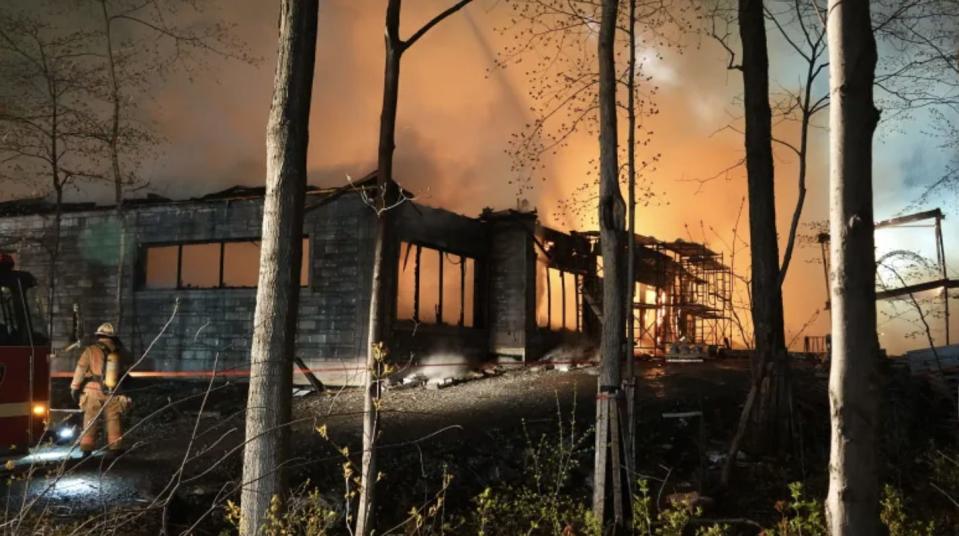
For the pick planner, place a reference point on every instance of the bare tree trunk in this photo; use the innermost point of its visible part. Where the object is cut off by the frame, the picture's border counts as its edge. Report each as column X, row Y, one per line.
column 113, row 142
column 281, row 250
column 769, row 364
column 58, row 200
column 612, row 216
column 801, row 179
column 811, row 52
column 55, row 257
column 767, row 310
column 852, row 505
column 380, row 299
column 629, row 386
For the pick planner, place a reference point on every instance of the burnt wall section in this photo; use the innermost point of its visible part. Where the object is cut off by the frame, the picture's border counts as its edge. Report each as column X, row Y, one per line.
column 213, row 326
column 445, row 347
column 495, row 266
column 572, row 254
column 512, row 284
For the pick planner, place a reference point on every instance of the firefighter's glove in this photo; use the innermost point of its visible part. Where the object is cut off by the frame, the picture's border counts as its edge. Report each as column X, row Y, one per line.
column 75, row 395
column 125, row 403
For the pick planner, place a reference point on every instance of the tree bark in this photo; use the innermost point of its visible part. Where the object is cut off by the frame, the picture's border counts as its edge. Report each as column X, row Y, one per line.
column 52, row 91
column 277, row 297
column 55, row 258
column 380, row 297
column 629, row 385
column 113, row 142
column 612, row 216
column 58, row 201
column 802, row 154
column 769, row 364
column 852, row 505
column 379, row 301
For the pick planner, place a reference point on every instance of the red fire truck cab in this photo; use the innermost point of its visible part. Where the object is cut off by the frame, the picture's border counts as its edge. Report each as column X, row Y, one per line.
column 24, row 362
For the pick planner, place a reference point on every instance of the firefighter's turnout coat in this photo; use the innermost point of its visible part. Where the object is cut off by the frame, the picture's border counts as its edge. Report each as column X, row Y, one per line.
column 97, row 399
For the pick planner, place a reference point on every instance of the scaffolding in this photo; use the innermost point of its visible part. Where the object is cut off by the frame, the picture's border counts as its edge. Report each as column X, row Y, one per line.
column 693, row 295
column 683, row 293
column 944, row 283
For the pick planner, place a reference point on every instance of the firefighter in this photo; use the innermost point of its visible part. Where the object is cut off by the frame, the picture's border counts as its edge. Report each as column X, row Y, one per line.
column 94, row 389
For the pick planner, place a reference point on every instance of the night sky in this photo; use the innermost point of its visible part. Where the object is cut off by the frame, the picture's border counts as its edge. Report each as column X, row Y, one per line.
column 456, row 114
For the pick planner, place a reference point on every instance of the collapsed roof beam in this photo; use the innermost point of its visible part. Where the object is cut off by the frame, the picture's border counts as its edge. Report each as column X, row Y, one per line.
column 934, row 214
column 919, row 287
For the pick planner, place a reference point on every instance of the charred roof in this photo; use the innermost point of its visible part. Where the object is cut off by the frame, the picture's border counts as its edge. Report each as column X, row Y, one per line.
column 42, row 206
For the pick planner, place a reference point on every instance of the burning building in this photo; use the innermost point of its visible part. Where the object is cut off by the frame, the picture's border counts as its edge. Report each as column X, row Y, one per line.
column 466, row 289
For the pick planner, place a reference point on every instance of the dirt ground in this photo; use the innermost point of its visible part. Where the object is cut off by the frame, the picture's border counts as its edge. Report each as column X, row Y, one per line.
column 478, row 431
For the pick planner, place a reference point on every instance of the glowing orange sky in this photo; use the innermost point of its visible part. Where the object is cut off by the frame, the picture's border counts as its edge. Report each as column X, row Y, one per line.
column 455, row 118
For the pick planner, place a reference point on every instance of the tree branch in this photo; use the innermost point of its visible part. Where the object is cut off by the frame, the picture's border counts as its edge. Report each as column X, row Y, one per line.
column 436, row 20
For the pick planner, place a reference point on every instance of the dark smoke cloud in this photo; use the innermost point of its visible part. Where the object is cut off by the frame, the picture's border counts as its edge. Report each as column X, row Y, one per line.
column 455, row 117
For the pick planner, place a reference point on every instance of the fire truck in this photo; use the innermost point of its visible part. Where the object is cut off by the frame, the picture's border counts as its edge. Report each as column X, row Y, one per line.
column 24, row 362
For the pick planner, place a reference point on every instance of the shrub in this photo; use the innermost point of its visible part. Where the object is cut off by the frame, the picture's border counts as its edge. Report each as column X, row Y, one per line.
column 542, row 502
column 306, row 514
column 799, row 516
column 671, row 521
column 893, row 515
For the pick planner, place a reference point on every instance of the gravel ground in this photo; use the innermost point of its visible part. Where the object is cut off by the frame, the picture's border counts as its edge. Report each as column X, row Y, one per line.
column 477, row 430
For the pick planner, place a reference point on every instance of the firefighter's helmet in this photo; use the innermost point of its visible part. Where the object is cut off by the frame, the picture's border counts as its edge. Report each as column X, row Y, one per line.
column 106, row 330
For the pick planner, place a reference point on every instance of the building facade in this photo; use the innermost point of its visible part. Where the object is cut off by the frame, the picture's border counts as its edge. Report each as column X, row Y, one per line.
column 465, row 289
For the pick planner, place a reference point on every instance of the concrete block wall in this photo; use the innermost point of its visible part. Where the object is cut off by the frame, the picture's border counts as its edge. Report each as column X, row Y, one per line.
column 212, row 326
column 512, row 286
column 570, row 253
column 444, row 346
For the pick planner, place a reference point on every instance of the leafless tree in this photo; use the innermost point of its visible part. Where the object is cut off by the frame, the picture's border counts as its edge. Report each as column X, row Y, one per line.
column 612, row 227
column 852, row 504
column 564, row 79
column 629, row 382
column 93, row 83
column 916, row 34
column 277, row 297
column 137, row 44
column 922, row 74
column 770, row 364
column 43, row 140
column 798, row 23
column 549, row 41
column 385, row 200
column 111, row 138
column 890, row 266
column 738, row 307
column 920, row 69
